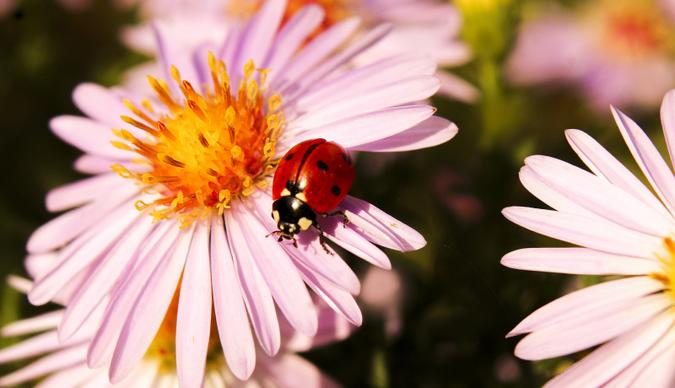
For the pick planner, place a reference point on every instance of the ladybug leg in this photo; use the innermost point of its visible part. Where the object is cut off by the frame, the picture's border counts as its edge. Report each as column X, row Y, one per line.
column 322, row 239
column 339, row 213
column 295, row 242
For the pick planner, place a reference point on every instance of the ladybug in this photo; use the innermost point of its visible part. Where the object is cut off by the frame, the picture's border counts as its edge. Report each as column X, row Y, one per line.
column 312, row 178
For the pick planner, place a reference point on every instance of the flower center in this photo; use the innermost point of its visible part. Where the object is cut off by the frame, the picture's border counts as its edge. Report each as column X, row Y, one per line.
column 207, row 148
column 335, row 10
column 162, row 350
column 633, row 29
column 667, row 277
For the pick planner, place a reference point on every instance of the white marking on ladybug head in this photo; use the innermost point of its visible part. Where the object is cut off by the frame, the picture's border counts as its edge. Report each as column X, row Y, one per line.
column 275, row 215
column 304, row 223
column 301, row 196
column 285, row 192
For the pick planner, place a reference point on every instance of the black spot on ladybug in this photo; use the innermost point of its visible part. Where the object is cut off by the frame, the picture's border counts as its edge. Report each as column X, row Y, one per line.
column 347, row 159
column 335, row 190
column 322, row 165
column 289, row 156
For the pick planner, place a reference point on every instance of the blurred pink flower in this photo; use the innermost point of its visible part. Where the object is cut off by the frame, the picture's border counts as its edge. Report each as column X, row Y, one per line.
column 420, row 28
column 616, row 52
column 623, row 230
column 187, row 203
column 382, row 293
column 64, row 364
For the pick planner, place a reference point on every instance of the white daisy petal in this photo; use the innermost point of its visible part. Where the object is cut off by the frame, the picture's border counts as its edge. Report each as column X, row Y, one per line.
column 580, row 333
column 588, row 232
column 256, row 293
column 599, row 197
column 649, row 159
column 88, row 135
column 149, row 309
column 32, row 325
column 603, row 164
column 668, row 121
column 429, row 133
column 106, row 274
column 193, row 323
column 48, row 364
column 259, row 33
column 579, row 261
column 291, row 36
column 69, row 225
column 598, row 367
column 587, row 300
column 80, row 192
column 103, row 343
column 230, row 312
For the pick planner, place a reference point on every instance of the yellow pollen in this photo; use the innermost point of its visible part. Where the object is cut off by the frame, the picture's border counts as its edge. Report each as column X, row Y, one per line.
column 667, row 277
column 209, row 148
column 162, row 350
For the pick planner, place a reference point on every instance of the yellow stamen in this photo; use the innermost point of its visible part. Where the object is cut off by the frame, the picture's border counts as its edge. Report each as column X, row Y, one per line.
column 210, row 148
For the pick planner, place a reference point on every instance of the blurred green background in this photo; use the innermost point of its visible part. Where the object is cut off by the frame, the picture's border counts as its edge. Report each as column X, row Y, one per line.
column 458, row 300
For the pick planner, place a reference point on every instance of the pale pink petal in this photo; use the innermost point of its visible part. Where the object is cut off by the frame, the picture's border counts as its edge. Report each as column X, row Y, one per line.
column 291, row 36
column 103, row 343
column 58, row 360
column 39, row 264
column 583, row 332
column 36, row 345
column 354, row 242
column 608, row 360
column 456, row 88
column 379, row 227
column 32, row 325
column 233, row 325
column 259, row 34
column 100, row 104
column 668, row 122
column 429, row 133
column 362, row 79
column 332, row 328
column 94, row 164
column 71, row 377
column 106, row 235
column 659, row 373
column 314, row 52
column 587, row 300
column 535, row 184
column 88, row 135
column 652, row 164
column 368, row 127
column 585, row 231
column 603, row 164
column 401, row 92
column 598, row 196
column 80, row 192
column 69, row 225
column 292, row 371
column 627, row 376
column 580, row 261
column 193, row 324
column 149, row 309
column 341, row 58
column 106, row 274
column 337, row 298
column 256, row 292
column 281, row 276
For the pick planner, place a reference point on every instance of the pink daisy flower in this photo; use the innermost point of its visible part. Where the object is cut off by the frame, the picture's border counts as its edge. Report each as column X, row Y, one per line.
column 180, row 201
column 622, row 229
column 64, row 364
column 425, row 28
column 616, row 52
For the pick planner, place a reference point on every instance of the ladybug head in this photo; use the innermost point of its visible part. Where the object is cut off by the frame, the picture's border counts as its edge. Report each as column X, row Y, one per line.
column 292, row 216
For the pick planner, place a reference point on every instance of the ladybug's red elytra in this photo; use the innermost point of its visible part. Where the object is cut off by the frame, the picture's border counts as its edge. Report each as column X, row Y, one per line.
column 312, row 178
